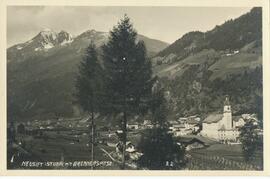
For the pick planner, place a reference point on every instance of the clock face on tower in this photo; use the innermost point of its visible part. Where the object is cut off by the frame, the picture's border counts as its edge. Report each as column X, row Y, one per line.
column 227, row 108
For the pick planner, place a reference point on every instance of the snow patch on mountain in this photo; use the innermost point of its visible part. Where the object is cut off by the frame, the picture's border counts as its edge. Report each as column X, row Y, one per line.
column 66, row 42
column 64, row 38
column 48, row 45
column 48, row 39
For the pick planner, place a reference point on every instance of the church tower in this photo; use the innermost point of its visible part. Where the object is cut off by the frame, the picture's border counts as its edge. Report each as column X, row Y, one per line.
column 227, row 114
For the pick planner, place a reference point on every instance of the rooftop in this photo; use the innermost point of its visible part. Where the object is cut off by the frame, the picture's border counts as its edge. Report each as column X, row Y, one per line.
column 236, row 118
column 192, row 121
column 213, row 118
column 189, row 138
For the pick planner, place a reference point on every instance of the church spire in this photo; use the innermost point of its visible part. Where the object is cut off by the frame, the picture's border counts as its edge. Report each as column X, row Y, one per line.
column 226, row 102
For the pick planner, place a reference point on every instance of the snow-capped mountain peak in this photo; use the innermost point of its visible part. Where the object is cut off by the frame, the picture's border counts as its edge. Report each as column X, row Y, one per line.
column 48, row 42
column 47, row 39
column 64, row 38
column 48, row 34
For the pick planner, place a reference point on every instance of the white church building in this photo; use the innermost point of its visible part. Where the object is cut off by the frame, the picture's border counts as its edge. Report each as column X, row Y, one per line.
column 222, row 127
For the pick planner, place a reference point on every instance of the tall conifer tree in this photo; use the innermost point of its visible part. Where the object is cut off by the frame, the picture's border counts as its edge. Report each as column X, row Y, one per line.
column 89, row 87
column 129, row 74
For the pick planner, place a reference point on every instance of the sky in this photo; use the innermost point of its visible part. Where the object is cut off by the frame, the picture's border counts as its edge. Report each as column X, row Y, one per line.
column 163, row 23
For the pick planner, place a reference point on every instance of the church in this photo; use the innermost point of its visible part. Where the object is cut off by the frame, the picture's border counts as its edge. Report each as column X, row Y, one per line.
column 222, row 127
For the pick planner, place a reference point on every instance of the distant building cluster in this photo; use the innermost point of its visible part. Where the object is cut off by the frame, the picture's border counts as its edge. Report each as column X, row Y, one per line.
column 185, row 126
column 147, row 124
column 229, row 52
column 55, row 123
column 191, row 131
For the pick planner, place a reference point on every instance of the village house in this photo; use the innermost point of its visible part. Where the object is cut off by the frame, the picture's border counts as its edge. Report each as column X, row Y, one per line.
column 129, row 147
column 112, row 141
column 133, row 126
column 238, row 121
column 49, row 127
column 193, row 123
column 222, row 127
column 182, row 119
column 182, row 132
column 178, row 129
column 185, row 126
column 194, row 142
column 131, row 151
column 191, row 143
column 135, row 155
column 147, row 124
column 231, row 52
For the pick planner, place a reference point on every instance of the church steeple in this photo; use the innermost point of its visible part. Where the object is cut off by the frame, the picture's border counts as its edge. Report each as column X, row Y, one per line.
column 227, row 113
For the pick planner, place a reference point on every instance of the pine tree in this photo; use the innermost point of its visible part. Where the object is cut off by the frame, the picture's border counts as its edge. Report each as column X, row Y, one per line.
column 250, row 139
column 158, row 105
column 129, row 75
column 160, row 150
column 89, row 87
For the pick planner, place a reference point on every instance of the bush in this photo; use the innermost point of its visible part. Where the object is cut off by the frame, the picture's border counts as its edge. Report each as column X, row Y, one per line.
column 160, row 151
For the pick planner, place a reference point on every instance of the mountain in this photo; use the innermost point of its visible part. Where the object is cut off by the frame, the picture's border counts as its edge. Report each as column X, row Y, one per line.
column 43, row 41
column 48, row 40
column 153, row 46
column 226, row 49
column 231, row 35
column 197, row 70
column 200, row 68
column 41, row 71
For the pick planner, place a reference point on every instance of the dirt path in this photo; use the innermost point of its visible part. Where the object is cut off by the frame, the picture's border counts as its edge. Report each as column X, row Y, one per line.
column 109, row 155
column 117, row 161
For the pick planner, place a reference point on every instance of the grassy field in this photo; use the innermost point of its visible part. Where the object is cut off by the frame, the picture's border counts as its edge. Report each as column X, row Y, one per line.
column 235, row 64
column 225, row 65
column 62, row 147
column 223, row 157
column 178, row 68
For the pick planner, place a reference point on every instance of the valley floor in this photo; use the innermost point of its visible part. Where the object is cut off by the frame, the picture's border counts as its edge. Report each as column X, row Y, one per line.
column 223, row 157
column 65, row 147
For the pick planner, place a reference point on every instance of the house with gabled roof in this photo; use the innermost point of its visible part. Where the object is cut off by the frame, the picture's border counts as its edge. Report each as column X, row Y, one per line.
column 238, row 121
